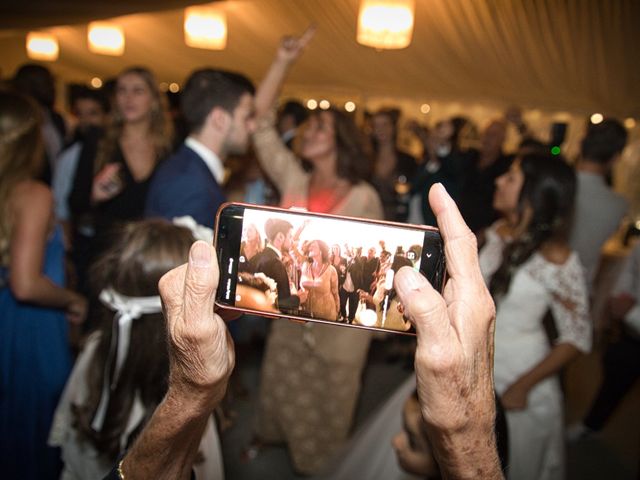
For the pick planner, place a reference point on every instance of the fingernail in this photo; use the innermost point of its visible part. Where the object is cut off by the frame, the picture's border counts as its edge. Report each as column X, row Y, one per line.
column 444, row 192
column 409, row 280
column 200, row 255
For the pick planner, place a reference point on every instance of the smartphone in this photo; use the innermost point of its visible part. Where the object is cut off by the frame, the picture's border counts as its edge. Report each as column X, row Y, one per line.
column 321, row 268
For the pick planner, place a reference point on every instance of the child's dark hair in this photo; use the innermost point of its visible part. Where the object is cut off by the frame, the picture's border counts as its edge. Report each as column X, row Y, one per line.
column 142, row 253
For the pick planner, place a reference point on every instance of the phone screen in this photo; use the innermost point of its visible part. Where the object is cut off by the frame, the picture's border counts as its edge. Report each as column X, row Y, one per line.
column 320, row 267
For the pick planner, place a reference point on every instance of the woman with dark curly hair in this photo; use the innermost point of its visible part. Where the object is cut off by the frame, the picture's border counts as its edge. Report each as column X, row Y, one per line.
column 531, row 270
column 336, row 183
column 320, row 279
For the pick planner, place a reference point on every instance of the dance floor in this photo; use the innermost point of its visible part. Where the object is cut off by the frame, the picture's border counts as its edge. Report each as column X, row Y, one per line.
column 612, row 455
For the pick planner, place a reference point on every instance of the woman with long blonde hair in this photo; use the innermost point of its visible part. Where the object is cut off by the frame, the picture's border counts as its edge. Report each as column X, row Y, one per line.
column 34, row 353
column 113, row 174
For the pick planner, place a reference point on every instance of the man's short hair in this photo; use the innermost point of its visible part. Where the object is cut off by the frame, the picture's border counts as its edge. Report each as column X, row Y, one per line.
column 603, row 141
column 82, row 92
column 208, row 88
column 274, row 226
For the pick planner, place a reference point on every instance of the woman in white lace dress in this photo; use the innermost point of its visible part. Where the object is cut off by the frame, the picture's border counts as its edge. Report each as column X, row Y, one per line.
column 531, row 270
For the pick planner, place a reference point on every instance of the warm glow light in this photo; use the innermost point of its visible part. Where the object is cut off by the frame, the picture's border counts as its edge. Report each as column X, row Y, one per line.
column 205, row 27
column 42, row 46
column 425, row 108
column 385, row 24
column 629, row 123
column 350, row 107
column 174, row 87
column 368, row 317
column 106, row 38
column 324, row 104
column 312, row 104
column 597, row 118
column 96, row 82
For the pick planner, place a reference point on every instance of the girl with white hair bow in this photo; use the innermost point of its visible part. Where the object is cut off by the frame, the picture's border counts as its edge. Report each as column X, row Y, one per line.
column 121, row 374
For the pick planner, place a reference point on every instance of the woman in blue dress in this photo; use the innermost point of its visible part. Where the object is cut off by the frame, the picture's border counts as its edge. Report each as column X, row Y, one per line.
column 34, row 306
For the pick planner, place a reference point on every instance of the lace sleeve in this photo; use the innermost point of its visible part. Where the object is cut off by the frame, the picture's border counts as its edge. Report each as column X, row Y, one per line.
column 570, row 303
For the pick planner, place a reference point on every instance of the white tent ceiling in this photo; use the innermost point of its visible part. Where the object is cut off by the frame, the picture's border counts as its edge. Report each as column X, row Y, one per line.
column 558, row 55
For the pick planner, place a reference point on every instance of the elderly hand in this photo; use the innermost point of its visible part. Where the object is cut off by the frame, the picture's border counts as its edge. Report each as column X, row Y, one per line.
column 454, row 356
column 200, row 347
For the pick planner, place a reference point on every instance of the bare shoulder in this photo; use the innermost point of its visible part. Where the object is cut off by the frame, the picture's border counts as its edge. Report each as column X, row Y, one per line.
column 32, row 192
column 556, row 253
column 33, row 197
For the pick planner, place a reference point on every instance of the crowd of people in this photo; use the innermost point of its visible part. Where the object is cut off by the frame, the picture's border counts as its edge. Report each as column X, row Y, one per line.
column 86, row 235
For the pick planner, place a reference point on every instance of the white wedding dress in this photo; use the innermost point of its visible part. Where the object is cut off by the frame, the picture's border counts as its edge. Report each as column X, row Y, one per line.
column 536, row 441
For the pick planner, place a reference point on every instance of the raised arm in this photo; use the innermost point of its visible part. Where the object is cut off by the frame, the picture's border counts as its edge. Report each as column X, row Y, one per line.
column 287, row 54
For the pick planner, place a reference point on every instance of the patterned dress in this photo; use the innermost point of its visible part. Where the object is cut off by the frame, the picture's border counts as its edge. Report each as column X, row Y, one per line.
column 311, row 373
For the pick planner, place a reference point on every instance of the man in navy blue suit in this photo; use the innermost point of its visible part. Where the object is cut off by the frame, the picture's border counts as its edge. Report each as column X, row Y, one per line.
column 218, row 108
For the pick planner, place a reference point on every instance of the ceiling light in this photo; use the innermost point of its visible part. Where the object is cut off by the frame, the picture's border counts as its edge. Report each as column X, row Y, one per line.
column 42, row 46
column 106, row 38
column 205, row 27
column 386, row 24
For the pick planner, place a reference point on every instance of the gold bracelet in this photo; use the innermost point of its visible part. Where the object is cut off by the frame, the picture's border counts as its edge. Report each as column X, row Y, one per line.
column 120, row 474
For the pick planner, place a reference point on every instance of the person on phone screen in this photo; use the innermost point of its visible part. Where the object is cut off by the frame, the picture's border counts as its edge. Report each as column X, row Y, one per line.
column 320, row 279
column 269, row 261
column 454, row 360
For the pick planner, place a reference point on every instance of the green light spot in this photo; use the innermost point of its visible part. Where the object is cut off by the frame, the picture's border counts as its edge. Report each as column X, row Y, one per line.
column 555, row 150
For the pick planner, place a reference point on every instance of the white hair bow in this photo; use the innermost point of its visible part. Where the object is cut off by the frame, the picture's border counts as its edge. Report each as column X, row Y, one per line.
column 127, row 309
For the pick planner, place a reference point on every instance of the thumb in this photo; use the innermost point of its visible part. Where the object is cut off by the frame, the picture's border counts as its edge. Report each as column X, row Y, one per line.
column 200, row 283
column 424, row 306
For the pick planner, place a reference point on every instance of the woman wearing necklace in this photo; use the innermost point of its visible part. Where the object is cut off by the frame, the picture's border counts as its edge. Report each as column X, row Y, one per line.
column 311, row 413
column 320, row 279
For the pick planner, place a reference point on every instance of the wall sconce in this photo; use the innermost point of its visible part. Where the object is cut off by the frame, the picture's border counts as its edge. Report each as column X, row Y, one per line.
column 386, row 24
column 205, row 27
column 42, row 46
column 106, row 38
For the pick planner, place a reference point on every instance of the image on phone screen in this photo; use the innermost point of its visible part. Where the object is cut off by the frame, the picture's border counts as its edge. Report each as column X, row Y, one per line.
column 321, row 268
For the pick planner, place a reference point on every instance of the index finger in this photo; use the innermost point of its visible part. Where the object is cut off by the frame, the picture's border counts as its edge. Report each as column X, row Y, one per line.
column 307, row 35
column 460, row 244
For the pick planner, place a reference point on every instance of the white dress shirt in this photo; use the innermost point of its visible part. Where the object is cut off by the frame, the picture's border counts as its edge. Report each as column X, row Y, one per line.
column 209, row 157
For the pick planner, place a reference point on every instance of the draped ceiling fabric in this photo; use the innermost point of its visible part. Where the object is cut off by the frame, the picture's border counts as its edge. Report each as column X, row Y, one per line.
column 577, row 56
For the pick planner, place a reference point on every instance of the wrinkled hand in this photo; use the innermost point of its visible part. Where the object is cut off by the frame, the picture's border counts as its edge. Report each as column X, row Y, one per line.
column 106, row 184
column 515, row 397
column 454, row 356
column 200, row 347
column 292, row 47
